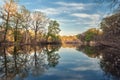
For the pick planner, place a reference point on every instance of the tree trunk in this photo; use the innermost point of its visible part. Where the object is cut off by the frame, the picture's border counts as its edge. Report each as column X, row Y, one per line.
column 15, row 31
column 35, row 55
column 26, row 37
column 6, row 28
column 5, row 61
column 15, row 57
column 35, row 37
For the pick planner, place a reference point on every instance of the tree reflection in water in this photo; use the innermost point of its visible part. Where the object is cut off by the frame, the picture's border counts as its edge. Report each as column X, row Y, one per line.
column 109, row 60
column 52, row 55
column 20, row 62
column 17, row 63
column 110, row 63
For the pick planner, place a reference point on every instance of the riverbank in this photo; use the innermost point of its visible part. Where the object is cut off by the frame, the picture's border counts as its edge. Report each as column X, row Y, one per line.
column 102, row 44
column 37, row 43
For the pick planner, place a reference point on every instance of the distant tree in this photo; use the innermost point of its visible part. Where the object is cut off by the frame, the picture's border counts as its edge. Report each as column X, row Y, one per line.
column 89, row 35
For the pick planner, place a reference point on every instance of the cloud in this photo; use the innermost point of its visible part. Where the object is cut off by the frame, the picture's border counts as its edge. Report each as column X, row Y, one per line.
column 63, row 7
column 64, row 21
column 57, row 11
column 49, row 11
column 79, row 6
column 84, row 15
column 92, row 20
column 85, row 68
column 73, row 14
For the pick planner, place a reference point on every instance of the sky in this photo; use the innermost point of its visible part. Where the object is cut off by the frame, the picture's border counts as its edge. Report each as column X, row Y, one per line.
column 74, row 16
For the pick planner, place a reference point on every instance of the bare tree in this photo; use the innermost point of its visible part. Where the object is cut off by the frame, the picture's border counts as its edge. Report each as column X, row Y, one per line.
column 114, row 5
column 38, row 22
column 26, row 22
column 8, row 10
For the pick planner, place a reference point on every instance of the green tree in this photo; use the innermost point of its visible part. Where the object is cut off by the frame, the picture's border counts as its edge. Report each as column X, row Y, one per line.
column 53, row 30
column 89, row 36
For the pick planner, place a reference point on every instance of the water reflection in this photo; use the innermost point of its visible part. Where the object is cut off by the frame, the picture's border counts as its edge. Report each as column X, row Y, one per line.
column 22, row 62
column 17, row 63
column 109, row 60
column 110, row 63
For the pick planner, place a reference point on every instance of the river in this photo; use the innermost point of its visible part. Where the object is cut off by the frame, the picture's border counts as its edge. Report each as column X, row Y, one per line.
column 58, row 63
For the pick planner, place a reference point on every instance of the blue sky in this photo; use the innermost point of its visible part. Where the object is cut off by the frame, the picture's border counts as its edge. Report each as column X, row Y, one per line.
column 74, row 16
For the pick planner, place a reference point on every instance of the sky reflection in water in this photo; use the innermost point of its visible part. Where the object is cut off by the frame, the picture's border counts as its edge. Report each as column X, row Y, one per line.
column 50, row 62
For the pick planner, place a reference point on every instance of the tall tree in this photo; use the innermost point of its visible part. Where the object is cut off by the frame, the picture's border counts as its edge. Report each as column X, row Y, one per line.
column 26, row 23
column 38, row 22
column 16, row 25
column 8, row 11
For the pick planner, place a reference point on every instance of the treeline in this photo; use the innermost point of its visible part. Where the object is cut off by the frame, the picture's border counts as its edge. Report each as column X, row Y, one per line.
column 18, row 25
column 107, row 35
column 90, row 36
column 69, row 39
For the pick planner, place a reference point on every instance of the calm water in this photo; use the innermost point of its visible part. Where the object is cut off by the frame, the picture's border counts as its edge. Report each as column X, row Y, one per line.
column 58, row 63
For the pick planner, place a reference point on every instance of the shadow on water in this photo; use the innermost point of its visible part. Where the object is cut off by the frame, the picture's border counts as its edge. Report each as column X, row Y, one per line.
column 109, row 60
column 17, row 63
